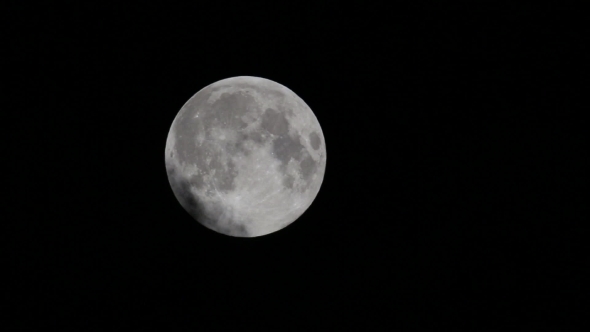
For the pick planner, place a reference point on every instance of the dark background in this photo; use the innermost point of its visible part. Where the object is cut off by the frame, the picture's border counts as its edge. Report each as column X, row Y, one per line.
column 455, row 190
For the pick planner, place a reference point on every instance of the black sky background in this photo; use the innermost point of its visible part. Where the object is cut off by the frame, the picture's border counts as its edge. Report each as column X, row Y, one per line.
column 455, row 191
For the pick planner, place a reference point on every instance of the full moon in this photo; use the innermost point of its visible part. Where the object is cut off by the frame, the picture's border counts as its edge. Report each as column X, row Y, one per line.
column 245, row 156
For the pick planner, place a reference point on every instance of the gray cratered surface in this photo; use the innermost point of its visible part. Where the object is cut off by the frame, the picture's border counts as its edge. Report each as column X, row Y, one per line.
column 245, row 156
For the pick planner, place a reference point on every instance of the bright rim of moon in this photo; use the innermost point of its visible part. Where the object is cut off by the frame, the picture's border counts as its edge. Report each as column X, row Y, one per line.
column 245, row 156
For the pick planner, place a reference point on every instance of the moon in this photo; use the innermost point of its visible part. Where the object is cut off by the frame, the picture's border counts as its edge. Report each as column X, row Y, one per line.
column 245, row 156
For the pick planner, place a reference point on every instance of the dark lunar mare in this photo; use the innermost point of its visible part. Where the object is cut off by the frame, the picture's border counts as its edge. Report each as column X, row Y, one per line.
column 286, row 147
column 314, row 140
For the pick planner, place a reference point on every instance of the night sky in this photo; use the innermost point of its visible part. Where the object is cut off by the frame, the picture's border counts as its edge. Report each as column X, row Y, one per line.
column 456, row 184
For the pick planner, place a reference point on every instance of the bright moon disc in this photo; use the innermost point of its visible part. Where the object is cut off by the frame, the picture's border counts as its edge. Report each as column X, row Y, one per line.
column 245, row 156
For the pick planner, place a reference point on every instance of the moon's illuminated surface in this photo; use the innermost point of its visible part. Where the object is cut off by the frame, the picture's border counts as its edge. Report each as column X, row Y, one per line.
column 245, row 156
